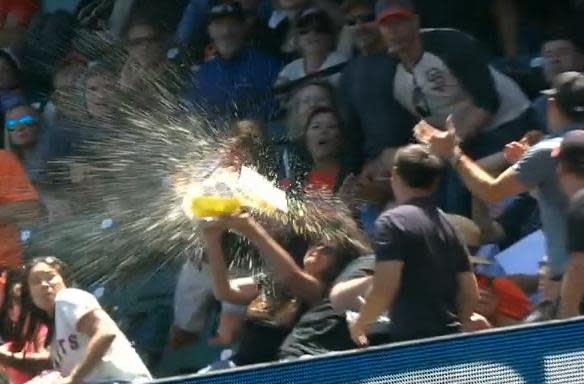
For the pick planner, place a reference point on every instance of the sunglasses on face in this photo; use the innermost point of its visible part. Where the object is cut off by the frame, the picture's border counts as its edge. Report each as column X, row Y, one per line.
column 360, row 19
column 12, row 124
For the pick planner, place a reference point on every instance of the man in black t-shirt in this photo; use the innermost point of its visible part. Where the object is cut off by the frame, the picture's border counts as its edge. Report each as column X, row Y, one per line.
column 322, row 329
column 570, row 155
column 422, row 273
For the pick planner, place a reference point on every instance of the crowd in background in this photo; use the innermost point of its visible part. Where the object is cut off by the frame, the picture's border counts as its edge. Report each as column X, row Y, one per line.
column 338, row 92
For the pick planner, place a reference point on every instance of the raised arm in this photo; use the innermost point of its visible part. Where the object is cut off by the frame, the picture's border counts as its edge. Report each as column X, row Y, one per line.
column 236, row 292
column 285, row 269
column 481, row 184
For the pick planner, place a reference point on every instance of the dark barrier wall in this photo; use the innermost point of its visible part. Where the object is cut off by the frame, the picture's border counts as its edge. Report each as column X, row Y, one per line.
column 549, row 353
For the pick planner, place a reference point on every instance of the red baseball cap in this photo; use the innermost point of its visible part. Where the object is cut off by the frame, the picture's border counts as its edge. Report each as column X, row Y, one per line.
column 386, row 9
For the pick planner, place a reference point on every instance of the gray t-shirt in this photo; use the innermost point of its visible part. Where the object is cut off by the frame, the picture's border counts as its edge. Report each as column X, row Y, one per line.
column 537, row 171
column 452, row 76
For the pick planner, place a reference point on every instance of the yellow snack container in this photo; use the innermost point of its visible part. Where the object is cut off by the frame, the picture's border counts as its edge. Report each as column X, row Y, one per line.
column 214, row 206
column 227, row 193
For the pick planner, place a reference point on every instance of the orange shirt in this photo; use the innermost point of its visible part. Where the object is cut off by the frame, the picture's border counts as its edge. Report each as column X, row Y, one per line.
column 512, row 302
column 322, row 181
column 14, row 187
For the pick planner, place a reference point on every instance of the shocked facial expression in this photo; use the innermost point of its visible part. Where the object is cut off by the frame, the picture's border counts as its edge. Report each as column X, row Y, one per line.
column 45, row 282
column 323, row 136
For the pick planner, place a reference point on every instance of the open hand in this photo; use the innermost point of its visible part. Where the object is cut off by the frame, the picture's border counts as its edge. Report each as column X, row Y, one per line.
column 514, row 151
column 476, row 322
column 441, row 143
column 241, row 223
column 358, row 332
column 424, row 132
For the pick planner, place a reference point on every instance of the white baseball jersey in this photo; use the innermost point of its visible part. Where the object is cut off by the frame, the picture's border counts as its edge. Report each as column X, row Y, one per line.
column 68, row 347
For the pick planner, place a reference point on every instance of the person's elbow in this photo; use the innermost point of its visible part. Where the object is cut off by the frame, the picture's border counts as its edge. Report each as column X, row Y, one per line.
column 104, row 331
column 223, row 294
column 108, row 336
column 337, row 299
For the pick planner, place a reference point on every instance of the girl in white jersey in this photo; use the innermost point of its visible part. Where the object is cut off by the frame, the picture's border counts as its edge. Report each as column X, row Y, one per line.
column 86, row 346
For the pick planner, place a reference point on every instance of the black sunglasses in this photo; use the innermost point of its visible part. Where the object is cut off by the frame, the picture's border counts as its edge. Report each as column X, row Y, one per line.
column 360, row 19
column 419, row 101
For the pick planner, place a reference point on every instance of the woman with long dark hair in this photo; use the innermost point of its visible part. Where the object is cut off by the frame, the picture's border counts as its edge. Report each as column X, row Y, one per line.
column 84, row 343
column 16, row 330
column 276, row 302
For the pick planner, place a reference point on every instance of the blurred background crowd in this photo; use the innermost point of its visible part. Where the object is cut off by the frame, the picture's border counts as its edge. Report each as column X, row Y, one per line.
column 333, row 88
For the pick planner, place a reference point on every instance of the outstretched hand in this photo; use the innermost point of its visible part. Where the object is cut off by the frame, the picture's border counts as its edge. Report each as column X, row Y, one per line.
column 514, row 151
column 441, row 143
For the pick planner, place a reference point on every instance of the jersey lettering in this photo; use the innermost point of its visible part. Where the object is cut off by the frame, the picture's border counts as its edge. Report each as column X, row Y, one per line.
column 73, row 343
column 62, row 346
column 436, row 77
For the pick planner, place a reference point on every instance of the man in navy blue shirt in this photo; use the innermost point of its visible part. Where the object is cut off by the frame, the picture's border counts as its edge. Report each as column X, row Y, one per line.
column 422, row 272
column 236, row 83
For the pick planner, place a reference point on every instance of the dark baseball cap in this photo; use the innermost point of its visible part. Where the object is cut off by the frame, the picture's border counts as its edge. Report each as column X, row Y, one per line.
column 226, row 10
column 314, row 16
column 571, row 151
column 568, row 90
column 388, row 9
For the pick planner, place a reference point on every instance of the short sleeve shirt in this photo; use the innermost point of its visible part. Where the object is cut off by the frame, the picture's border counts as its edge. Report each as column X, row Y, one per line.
column 419, row 235
column 537, row 171
column 295, row 70
column 321, row 329
column 15, row 187
column 69, row 346
column 453, row 75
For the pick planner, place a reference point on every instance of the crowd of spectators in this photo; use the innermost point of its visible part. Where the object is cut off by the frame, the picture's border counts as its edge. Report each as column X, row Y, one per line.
column 339, row 93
